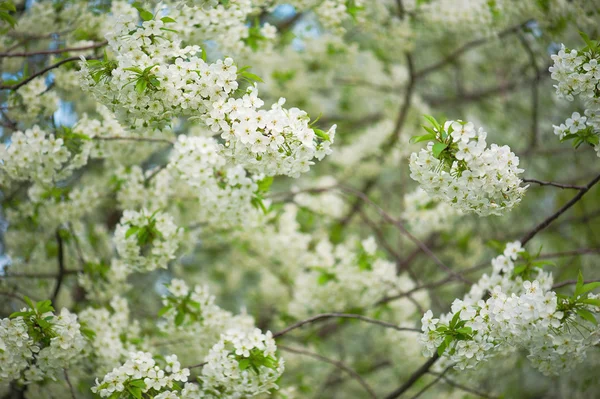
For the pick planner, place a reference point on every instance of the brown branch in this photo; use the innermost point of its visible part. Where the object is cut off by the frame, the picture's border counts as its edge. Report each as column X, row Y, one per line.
column 462, row 387
column 123, row 138
column 325, row 316
column 69, row 384
column 56, row 51
column 562, row 210
column 535, row 103
column 414, row 377
column 197, row 365
column 463, row 49
column 14, row 296
column 40, row 73
column 404, row 231
column 336, row 363
column 549, row 183
column 38, row 275
column 61, row 266
column 571, row 282
column 426, row 387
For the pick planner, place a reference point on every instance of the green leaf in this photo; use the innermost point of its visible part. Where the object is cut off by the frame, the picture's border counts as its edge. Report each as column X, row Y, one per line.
column 325, row 277
column 8, row 18
column 164, row 310
column 141, row 85
column 433, row 122
column 244, row 363
column 591, row 301
column 321, row 134
column 265, row 184
column 425, row 137
column 250, row 76
column 135, row 392
column 587, row 315
column 589, row 287
column 438, row 148
column 442, row 348
column 167, row 20
column 29, row 302
column 19, row 314
column 8, row 6
column 146, row 15
column 131, row 231
column 138, row 383
column 590, row 43
column 179, row 318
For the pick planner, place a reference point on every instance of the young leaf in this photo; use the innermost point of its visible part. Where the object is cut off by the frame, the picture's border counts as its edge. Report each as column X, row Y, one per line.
column 438, row 148
column 587, row 315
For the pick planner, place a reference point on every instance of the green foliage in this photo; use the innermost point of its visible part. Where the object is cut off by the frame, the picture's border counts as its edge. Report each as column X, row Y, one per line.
column 579, row 303
column 73, row 141
column 183, row 306
column 38, row 323
column 144, row 79
column 145, row 234
column 101, row 70
column 455, row 331
column 5, row 8
column 248, row 76
column 256, row 360
column 263, row 188
column 526, row 265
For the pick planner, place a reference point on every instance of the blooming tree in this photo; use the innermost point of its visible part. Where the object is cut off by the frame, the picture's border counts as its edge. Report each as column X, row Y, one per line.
column 292, row 199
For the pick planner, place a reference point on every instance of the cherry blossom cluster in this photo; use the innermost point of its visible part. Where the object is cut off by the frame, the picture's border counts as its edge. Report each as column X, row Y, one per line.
column 205, row 22
column 191, row 313
column 512, row 309
column 154, row 79
column 33, row 101
column 226, row 194
column 141, row 375
column 33, row 155
column 114, row 332
column 578, row 75
column 36, row 343
column 424, row 216
column 278, row 141
column 146, row 241
column 343, row 277
column 459, row 169
column 242, row 364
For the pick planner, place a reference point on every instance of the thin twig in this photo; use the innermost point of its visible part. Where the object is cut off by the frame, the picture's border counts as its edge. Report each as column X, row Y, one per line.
column 195, row 366
column 462, row 387
column 549, row 183
column 61, row 266
column 40, row 73
column 414, row 377
column 404, row 231
column 123, row 138
column 562, row 210
column 69, row 384
column 336, row 363
column 571, row 282
column 55, row 51
column 432, row 383
column 325, row 316
column 463, row 49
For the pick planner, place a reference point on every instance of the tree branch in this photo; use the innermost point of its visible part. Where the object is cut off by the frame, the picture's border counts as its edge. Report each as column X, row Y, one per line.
column 414, row 377
column 56, row 51
column 549, row 183
column 562, row 210
column 336, row 363
column 325, row 316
